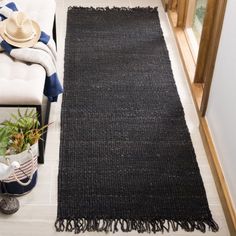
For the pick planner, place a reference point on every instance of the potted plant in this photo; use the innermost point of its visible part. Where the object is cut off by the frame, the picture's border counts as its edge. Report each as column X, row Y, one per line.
column 19, row 144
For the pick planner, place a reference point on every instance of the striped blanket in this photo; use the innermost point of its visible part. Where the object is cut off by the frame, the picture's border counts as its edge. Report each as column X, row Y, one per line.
column 43, row 53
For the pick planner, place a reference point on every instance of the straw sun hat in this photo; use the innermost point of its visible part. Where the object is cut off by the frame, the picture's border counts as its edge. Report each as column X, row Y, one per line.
column 19, row 30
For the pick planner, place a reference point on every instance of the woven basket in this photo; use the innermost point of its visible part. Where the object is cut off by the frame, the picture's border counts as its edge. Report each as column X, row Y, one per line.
column 24, row 178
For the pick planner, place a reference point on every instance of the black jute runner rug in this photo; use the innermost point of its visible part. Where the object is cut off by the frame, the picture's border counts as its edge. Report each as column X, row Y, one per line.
column 126, row 157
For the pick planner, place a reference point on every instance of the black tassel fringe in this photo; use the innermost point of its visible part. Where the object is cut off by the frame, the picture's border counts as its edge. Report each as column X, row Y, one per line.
column 143, row 9
column 148, row 226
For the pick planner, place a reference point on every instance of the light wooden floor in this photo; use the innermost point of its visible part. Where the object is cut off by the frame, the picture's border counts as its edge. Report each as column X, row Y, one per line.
column 38, row 209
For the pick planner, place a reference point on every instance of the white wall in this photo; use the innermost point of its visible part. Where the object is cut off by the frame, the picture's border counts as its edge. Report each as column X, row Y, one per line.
column 221, row 111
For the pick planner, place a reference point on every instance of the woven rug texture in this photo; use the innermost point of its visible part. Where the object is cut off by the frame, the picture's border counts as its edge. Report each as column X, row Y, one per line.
column 126, row 158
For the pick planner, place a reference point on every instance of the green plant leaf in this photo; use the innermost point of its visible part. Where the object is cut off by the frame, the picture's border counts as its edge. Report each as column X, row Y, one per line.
column 32, row 112
column 14, row 116
column 19, row 113
column 26, row 112
column 20, row 132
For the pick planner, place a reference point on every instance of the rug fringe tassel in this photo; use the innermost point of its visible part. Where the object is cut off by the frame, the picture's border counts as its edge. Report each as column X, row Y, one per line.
column 143, row 9
column 141, row 226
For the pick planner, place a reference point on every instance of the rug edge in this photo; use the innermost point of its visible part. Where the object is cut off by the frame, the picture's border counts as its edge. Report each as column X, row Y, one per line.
column 130, row 9
column 81, row 225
